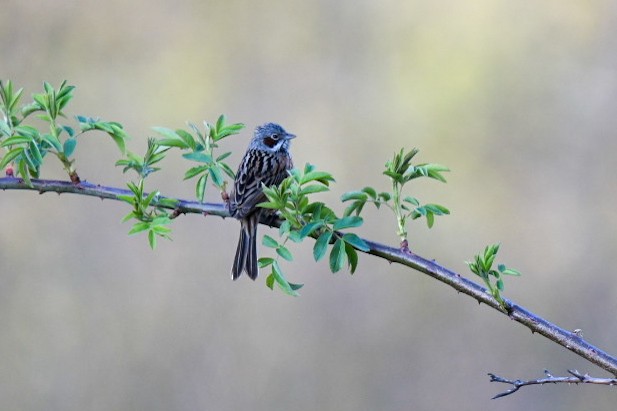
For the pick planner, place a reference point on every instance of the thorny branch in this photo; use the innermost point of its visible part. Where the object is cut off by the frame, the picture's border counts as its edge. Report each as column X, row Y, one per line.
column 571, row 340
column 576, row 378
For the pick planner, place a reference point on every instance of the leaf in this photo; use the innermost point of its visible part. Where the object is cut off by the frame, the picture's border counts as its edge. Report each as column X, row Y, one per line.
column 310, row 228
column 268, row 241
column 119, row 137
column 152, row 239
column 270, row 281
column 69, row 146
column 430, row 219
column 10, row 156
column 313, row 188
column 347, row 222
column 16, row 140
column 139, row 227
column 411, row 200
column 371, row 192
column 167, row 132
column 223, row 156
column 52, row 141
column 193, row 171
column 354, row 195
column 321, row 245
column 216, row 176
column 355, row 241
column 338, row 256
column 282, row 281
column 198, row 156
column 285, row 253
column 352, row 257
column 511, row 271
column 321, row 176
column 284, row 228
column 265, row 261
column 200, row 187
column 172, row 142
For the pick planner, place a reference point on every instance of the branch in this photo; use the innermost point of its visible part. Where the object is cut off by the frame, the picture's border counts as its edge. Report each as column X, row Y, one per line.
column 571, row 340
column 111, row 193
column 576, row 378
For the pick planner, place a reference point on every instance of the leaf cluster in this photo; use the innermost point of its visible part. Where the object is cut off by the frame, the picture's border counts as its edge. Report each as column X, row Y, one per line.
column 200, row 146
column 26, row 146
column 482, row 266
column 400, row 171
column 304, row 218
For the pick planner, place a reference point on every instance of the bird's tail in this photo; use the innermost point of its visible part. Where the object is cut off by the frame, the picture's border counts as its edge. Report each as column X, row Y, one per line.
column 246, row 252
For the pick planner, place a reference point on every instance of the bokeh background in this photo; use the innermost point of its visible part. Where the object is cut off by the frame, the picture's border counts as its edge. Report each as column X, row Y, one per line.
column 518, row 98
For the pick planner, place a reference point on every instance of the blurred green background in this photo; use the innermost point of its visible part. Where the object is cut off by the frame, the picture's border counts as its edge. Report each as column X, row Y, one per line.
column 518, row 98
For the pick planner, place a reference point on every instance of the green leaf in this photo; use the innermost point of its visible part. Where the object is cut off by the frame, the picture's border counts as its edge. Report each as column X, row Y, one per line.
column 167, row 132
column 338, row 256
column 284, row 228
column 230, row 173
column 430, row 219
column 52, row 141
column 200, row 187
column 268, row 241
column 411, row 200
column 223, row 156
column 282, row 281
column 265, row 261
column 216, row 176
column 220, row 122
column 285, row 253
column 313, row 188
column 385, row 196
column 347, row 222
column 371, row 192
column 10, row 156
column 198, row 156
column 139, row 227
column 310, row 228
column 119, row 137
column 321, row 245
column 355, row 241
column 511, row 271
column 354, row 195
column 16, row 140
column 69, row 146
column 270, row 281
column 172, row 142
column 352, row 257
column 152, row 239
column 23, row 170
column 193, row 171
column 321, row 176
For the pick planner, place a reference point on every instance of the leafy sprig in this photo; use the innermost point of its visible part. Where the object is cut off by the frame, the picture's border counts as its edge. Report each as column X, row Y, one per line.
column 200, row 146
column 482, row 266
column 148, row 209
column 26, row 146
column 304, row 218
column 400, row 171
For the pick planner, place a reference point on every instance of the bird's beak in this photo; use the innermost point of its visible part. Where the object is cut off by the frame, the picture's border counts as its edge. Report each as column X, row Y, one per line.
column 289, row 136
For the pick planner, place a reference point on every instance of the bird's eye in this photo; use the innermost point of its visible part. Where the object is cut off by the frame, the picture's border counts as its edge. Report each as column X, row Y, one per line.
column 274, row 136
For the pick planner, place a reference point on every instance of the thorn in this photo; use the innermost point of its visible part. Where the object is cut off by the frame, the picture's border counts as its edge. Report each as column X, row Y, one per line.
column 578, row 332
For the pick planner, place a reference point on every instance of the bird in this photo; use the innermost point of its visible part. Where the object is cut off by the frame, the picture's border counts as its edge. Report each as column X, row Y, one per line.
column 265, row 163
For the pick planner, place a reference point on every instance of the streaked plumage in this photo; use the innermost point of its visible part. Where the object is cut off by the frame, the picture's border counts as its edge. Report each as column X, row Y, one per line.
column 266, row 162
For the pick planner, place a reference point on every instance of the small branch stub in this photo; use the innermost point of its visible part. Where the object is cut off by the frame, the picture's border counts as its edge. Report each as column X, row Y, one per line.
column 575, row 378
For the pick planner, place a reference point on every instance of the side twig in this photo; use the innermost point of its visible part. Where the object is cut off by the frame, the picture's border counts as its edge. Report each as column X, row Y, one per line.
column 575, row 378
column 571, row 340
